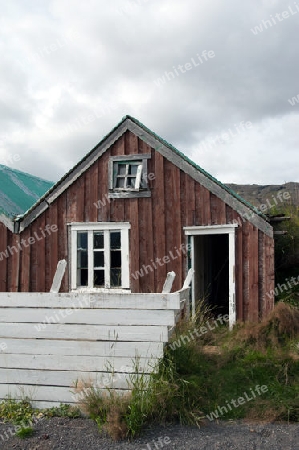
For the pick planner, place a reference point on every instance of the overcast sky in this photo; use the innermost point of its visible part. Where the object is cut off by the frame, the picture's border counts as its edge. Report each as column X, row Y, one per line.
column 197, row 72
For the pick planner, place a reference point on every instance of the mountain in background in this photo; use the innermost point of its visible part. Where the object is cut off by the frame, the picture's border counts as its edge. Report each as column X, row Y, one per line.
column 258, row 194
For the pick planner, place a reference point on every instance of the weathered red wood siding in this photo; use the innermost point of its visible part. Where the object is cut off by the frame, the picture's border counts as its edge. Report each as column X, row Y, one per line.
column 156, row 231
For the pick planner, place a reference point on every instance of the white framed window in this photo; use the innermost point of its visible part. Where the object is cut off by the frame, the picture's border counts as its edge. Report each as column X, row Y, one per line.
column 100, row 255
column 128, row 176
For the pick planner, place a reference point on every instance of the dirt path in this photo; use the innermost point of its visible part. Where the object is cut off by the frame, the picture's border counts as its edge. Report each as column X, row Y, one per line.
column 82, row 434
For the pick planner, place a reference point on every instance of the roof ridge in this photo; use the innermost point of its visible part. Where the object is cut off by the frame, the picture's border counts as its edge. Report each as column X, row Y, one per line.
column 187, row 159
column 127, row 123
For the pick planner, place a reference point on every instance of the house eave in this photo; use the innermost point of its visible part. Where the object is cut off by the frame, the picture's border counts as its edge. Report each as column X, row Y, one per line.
column 167, row 151
column 7, row 222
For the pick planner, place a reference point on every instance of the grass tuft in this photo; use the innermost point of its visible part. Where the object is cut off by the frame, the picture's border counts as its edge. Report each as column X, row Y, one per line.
column 191, row 382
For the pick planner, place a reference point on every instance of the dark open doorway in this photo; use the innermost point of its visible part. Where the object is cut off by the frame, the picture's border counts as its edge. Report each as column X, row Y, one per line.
column 211, row 265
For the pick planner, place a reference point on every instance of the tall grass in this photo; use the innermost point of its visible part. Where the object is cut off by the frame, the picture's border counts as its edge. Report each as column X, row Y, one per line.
column 191, row 382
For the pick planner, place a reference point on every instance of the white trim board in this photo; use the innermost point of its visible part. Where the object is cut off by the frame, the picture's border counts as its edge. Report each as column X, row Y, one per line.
column 129, row 124
column 210, row 229
column 216, row 230
column 105, row 227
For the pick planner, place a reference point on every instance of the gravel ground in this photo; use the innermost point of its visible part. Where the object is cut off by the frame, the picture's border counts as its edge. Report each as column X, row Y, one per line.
column 82, row 434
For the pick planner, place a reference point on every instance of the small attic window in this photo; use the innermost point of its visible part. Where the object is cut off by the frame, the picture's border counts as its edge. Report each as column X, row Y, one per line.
column 128, row 176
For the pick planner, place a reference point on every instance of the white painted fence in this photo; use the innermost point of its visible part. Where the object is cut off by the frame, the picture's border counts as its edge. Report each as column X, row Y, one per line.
column 48, row 341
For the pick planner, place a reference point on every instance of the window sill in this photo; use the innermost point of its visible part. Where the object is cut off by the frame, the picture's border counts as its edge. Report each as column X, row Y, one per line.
column 129, row 194
column 102, row 291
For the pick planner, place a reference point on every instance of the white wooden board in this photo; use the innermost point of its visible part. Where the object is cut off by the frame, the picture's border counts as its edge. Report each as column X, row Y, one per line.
column 48, row 341
column 85, row 332
column 87, row 348
column 43, row 316
column 75, row 363
column 117, row 380
column 84, row 300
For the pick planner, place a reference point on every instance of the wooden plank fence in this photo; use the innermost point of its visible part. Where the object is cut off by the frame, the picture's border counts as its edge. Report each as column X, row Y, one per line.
column 48, row 341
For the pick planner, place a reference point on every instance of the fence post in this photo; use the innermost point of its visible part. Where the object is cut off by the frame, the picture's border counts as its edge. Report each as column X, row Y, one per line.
column 168, row 283
column 58, row 276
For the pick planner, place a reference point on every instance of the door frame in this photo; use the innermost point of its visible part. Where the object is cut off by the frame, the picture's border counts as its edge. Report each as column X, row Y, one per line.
column 210, row 230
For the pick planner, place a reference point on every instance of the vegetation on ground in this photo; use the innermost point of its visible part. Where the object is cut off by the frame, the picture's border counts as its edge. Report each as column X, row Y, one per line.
column 200, row 373
column 193, row 379
column 24, row 416
column 287, row 254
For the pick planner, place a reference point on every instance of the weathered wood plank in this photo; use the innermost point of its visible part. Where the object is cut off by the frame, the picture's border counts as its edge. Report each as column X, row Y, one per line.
column 206, row 202
column 207, row 182
column 81, row 300
column 43, row 317
column 101, row 380
column 262, row 273
column 73, row 363
column 270, row 279
column 117, row 205
column 3, row 259
column 218, row 211
column 168, row 282
column 133, row 214
column 253, row 273
column 71, row 203
column 61, row 266
column 14, row 262
column 40, row 254
column 52, row 244
column 51, row 394
column 87, row 332
column 198, row 205
column 246, row 269
column 174, row 232
column 158, row 208
column 189, row 201
column 80, row 348
column 239, row 274
column 62, row 241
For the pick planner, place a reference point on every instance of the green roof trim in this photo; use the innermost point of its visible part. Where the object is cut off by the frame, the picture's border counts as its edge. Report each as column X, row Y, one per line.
column 19, row 191
column 51, row 188
column 196, row 166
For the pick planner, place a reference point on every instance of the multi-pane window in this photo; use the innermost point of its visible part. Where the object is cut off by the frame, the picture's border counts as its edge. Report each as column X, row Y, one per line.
column 128, row 176
column 100, row 255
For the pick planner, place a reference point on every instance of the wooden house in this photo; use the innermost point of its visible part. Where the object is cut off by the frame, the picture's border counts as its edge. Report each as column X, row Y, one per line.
column 132, row 210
